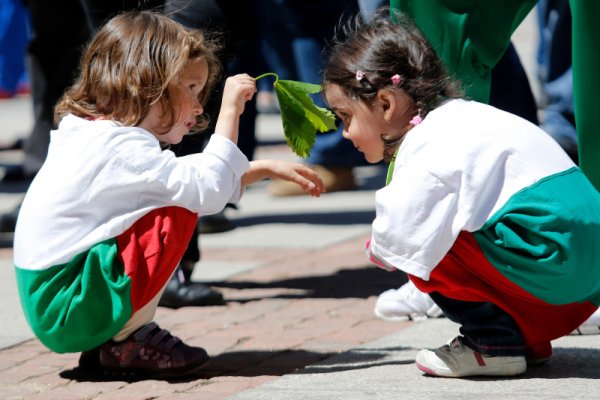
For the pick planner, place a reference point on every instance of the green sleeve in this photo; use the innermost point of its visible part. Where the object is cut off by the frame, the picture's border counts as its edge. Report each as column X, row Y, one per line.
column 469, row 35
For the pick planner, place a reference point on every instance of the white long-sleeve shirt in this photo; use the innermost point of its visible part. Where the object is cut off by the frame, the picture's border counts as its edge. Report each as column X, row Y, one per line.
column 455, row 172
column 100, row 177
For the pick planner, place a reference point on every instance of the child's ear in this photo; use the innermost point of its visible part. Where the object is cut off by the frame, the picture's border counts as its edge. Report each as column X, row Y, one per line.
column 387, row 101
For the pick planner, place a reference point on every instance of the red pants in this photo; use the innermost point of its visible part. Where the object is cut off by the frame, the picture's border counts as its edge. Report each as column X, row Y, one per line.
column 152, row 248
column 465, row 274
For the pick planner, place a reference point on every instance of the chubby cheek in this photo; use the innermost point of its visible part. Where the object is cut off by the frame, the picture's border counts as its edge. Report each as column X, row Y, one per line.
column 181, row 132
column 355, row 135
column 373, row 149
column 373, row 155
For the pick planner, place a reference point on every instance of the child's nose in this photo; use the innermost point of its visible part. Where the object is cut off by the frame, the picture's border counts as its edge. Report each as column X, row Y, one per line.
column 197, row 107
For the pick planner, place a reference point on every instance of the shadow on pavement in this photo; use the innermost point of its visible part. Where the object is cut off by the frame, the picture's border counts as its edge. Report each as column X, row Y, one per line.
column 581, row 363
column 569, row 362
column 324, row 218
column 255, row 363
column 356, row 359
column 14, row 187
column 11, row 178
column 346, row 283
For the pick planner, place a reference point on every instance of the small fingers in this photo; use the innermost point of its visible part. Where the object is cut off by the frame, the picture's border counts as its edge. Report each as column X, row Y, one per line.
column 311, row 176
column 309, row 180
column 307, row 185
column 245, row 83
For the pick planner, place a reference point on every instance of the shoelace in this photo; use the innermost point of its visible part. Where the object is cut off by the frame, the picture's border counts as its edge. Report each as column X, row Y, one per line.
column 453, row 346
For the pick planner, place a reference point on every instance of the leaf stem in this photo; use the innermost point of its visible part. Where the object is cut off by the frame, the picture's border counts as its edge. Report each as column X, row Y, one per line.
column 266, row 74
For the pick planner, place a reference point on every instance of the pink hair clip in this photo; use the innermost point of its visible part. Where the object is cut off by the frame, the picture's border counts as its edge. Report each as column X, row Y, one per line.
column 416, row 120
column 396, row 79
column 360, row 75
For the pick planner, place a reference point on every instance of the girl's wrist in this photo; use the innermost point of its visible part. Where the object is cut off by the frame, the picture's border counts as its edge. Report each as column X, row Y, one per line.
column 227, row 126
column 261, row 167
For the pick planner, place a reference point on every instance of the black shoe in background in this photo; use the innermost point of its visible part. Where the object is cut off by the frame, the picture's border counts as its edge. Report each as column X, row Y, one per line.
column 182, row 292
column 216, row 223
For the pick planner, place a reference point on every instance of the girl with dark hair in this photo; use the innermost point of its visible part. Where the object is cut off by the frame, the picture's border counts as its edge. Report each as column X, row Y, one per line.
column 482, row 209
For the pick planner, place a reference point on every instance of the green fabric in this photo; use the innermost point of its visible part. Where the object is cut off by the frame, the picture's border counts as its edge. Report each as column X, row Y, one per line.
column 546, row 239
column 78, row 305
column 470, row 36
column 586, row 84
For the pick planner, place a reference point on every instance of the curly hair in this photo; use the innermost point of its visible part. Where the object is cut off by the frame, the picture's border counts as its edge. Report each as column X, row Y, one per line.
column 133, row 62
column 380, row 48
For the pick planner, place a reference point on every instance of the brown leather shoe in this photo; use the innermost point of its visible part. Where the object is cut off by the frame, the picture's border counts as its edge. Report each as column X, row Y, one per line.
column 335, row 179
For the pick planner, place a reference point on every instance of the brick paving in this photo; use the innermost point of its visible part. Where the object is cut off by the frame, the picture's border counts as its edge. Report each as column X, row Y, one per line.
column 298, row 307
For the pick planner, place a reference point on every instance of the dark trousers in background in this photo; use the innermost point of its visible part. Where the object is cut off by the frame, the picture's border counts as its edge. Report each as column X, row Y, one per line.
column 59, row 33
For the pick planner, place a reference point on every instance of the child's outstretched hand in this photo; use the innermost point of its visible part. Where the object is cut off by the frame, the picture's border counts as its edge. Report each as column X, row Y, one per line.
column 297, row 173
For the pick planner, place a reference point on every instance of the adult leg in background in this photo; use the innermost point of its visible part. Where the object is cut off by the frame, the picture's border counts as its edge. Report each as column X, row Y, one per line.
column 309, row 25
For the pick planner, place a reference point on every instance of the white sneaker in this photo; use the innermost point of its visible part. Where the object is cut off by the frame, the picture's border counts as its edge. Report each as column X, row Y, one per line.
column 406, row 303
column 455, row 360
column 590, row 326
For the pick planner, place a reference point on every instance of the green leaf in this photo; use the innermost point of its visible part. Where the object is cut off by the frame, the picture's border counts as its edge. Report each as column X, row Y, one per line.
column 301, row 117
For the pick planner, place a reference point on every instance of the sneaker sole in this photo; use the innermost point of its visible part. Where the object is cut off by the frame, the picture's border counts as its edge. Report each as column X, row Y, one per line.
column 140, row 373
column 411, row 317
column 391, row 318
column 508, row 370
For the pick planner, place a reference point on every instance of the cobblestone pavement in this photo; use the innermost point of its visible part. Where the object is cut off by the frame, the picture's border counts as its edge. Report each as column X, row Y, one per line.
column 294, row 310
